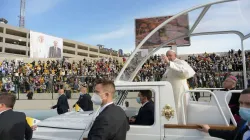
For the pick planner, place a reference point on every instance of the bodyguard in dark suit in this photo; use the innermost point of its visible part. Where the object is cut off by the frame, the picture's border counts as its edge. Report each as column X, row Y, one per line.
column 111, row 123
column 84, row 100
column 55, row 51
column 242, row 130
column 62, row 105
column 13, row 125
column 146, row 113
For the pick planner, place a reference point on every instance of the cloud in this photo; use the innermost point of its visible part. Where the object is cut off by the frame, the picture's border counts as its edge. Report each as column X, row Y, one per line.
column 36, row 7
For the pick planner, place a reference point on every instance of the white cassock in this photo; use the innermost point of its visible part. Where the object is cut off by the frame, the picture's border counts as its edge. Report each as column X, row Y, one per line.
column 177, row 74
column 39, row 50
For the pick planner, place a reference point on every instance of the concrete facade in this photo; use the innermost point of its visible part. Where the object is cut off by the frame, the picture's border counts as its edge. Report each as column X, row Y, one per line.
column 15, row 42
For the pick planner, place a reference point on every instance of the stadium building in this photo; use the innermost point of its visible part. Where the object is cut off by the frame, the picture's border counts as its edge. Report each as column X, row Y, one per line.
column 15, row 42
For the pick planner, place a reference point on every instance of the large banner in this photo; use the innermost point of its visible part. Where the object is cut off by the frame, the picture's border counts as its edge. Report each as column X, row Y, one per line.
column 45, row 46
column 173, row 29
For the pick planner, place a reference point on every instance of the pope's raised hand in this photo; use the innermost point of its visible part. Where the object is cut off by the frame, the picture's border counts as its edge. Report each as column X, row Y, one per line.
column 166, row 60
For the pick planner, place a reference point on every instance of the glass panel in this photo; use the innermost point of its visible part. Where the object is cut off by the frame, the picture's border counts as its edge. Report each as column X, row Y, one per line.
column 245, row 10
column 136, row 60
column 211, row 44
column 226, row 16
column 193, row 16
column 175, row 29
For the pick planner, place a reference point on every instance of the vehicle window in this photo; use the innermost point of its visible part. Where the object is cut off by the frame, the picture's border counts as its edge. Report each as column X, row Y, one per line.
column 138, row 106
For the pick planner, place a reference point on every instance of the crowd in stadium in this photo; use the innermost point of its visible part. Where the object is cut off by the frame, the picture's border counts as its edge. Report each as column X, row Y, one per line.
column 49, row 76
column 40, row 77
column 211, row 69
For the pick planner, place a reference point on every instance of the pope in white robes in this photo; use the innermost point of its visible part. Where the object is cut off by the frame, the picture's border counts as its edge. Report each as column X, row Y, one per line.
column 177, row 73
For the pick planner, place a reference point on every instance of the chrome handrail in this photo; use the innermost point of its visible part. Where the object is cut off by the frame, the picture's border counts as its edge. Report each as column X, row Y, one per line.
column 228, row 109
column 216, row 100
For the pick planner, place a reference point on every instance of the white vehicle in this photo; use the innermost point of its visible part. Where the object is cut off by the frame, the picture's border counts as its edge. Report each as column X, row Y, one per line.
column 76, row 125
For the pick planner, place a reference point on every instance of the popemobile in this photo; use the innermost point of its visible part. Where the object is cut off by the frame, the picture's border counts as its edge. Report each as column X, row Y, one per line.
column 209, row 19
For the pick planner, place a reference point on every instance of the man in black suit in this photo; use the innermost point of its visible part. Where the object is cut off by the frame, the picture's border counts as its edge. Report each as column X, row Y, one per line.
column 62, row 105
column 55, row 51
column 242, row 129
column 146, row 113
column 13, row 125
column 84, row 100
column 112, row 122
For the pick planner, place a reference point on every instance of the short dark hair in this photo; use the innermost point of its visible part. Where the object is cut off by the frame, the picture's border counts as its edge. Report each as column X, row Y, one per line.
column 8, row 99
column 146, row 93
column 108, row 84
column 246, row 91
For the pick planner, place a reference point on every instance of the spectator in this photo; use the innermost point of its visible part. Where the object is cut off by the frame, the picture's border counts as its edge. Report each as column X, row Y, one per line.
column 40, row 76
column 30, row 95
column 67, row 91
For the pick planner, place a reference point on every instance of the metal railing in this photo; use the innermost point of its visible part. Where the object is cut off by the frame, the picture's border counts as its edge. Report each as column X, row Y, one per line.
column 227, row 107
column 207, row 91
column 212, row 89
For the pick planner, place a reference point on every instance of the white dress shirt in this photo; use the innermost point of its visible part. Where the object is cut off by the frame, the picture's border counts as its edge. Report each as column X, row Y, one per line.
column 246, row 135
column 4, row 111
column 144, row 104
column 103, row 107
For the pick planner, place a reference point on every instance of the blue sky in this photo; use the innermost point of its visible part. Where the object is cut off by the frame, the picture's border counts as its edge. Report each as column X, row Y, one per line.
column 110, row 22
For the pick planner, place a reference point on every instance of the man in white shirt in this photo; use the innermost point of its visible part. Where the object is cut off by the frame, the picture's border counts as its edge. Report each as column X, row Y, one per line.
column 112, row 122
column 241, row 132
column 177, row 73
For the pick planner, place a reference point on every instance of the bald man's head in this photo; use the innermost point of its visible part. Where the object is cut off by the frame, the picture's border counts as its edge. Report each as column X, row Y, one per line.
column 61, row 91
column 171, row 54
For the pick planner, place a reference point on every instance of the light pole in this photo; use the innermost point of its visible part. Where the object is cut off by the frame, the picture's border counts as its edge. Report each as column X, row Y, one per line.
column 16, row 84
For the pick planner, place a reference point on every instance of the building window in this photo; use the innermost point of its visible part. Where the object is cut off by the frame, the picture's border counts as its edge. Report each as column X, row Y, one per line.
column 14, row 51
